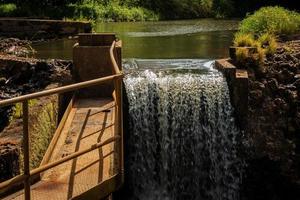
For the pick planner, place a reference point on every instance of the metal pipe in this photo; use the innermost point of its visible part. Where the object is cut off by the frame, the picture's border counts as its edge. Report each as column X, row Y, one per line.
column 121, row 131
column 13, row 181
column 113, row 60
column 59, row 90
column 72, row 156
column 26, row 150
column 20, row 178
column 118, row 98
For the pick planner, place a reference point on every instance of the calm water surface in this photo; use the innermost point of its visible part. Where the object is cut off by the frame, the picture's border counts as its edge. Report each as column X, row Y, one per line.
column 205, row 38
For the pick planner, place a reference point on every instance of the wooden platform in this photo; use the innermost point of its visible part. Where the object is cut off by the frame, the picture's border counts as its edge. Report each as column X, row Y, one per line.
column 90, row 121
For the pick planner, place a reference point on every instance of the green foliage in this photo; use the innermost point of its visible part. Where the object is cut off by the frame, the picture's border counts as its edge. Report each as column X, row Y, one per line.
column 246, row 57
column 110, row 11
column 41, row 133
column 244, row 40
column 268, row 43
column 223, row 8
column 124, row 10
column 259, row 30
column 7, row 10
column 18, row 109
column 241, row 55
column 42, row 126
column 265, row 45
column 274, row 20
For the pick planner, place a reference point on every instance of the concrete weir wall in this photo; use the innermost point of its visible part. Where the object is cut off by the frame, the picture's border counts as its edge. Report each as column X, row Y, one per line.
column 238, row 84
column 32, row 28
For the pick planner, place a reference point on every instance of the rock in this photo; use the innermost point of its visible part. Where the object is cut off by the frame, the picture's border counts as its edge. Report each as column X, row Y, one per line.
column 292, row 96
column 277, row 58
column 288, row 56
column 297, row 55
column 285, row 76
column 272, row 85
column 9, row 161
column 42, row 66
column 297, row 84
column 256, row 85
column 284, row 65
column 256, row 97
column 2, row 81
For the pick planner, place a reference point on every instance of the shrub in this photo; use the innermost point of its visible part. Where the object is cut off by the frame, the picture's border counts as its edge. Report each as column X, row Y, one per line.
column 7, row 10
column 244, row 40
column 247, row 58
column 268, row 43
column 274, row 20
column 241, row 55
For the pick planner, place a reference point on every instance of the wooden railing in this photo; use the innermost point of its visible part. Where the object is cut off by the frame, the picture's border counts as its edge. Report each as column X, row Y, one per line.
column 117, row 95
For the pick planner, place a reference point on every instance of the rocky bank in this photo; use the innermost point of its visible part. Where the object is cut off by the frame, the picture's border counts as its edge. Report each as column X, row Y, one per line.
column 19, row 76
column 273, row 126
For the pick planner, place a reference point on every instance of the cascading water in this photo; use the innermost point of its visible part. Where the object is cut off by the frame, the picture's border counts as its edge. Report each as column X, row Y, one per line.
column 182, row 141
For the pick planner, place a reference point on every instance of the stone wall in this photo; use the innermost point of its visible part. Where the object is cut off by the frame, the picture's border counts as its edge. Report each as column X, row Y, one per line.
column 34, row 29
column 270, row 120
column 9, row 161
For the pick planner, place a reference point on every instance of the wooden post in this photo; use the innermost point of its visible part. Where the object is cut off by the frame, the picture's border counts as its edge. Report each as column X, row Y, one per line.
column 26, row 150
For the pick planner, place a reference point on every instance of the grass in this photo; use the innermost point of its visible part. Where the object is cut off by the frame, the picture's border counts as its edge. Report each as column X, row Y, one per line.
column 268, row 43
column 274, row 20
column 7, row 10
column 260, row 30
column 18, row 109
column 41, row 133
column 43, row 119
column 244, row 40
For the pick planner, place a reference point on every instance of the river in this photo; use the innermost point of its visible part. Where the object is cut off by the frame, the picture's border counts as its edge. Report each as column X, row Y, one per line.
column 181, row 141
column 204, row 38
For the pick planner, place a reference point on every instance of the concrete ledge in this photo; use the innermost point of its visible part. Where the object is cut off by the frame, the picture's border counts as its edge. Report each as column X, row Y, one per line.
column 34, row 28
column 238, row 83
column 92, row 60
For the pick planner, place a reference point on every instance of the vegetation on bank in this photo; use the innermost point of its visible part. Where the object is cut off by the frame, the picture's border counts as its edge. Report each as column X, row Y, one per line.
column 260, row 31
column 7, row 10
column 274, row 20
column 133, row 10
column 89, row 10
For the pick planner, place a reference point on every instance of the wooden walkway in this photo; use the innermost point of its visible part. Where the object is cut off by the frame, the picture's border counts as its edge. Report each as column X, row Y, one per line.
column 89, row 121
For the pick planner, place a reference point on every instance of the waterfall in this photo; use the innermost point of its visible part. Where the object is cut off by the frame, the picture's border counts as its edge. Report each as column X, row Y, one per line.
column 182, row 141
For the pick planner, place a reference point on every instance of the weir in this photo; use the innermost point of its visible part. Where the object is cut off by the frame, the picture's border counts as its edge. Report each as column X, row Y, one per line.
column 181, row 140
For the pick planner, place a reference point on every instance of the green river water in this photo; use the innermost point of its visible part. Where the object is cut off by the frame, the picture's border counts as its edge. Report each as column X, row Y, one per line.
column 204, row 38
